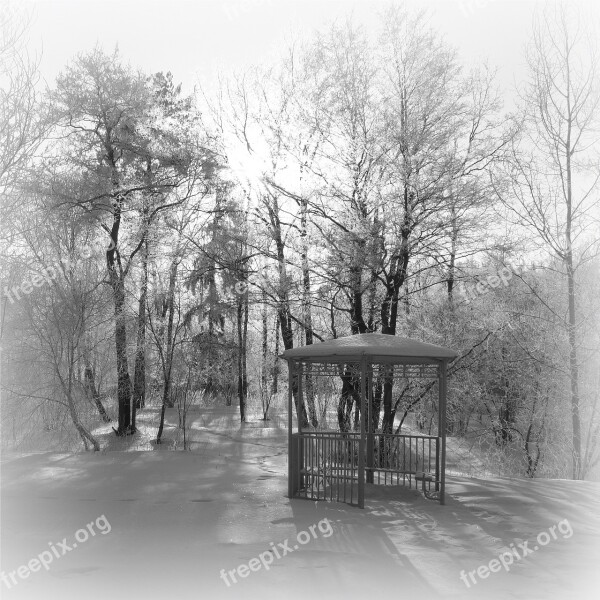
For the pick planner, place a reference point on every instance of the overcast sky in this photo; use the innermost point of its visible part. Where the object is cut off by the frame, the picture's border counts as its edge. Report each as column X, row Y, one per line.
column 194, row 38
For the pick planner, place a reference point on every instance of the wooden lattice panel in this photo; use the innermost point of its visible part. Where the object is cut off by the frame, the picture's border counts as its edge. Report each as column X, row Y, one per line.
column 396, row 372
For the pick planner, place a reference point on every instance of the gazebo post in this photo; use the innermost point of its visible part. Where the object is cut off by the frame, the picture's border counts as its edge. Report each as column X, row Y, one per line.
column 442, row 428
column 361, row 442
column 291, row 453
column 300, row 397
column 370, row 445
column 300, row 444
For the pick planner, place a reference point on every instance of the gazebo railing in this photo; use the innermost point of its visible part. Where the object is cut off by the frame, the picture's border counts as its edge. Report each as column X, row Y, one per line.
column 399, row 459
column 325, row 464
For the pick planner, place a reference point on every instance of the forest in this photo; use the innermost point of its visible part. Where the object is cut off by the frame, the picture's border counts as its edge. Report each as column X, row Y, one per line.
column 160, row 248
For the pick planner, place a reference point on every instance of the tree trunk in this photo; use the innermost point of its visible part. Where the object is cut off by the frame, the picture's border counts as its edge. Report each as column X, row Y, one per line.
column 349, row 396
column 242, row 330
column 572, row 327
column 307, row 312
column 92, row 391
column 123, row 380
column 357, row 322
column 213, row 312
column 117, row 282
column 453, row 243
column 85, row 435
column 67, row 387
column 283, row 309
column 166, row 391
column 574, row 369
column 389, row 308
column 139, row 377
column 168, row 359
column 275, row 384
column 264, row 366
column 377, row 397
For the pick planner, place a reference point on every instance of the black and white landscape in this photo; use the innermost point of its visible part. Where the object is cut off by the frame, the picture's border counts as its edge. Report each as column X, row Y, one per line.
column 191, row 189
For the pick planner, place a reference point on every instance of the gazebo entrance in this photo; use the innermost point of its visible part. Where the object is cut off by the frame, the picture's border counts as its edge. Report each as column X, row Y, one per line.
column 335, row 465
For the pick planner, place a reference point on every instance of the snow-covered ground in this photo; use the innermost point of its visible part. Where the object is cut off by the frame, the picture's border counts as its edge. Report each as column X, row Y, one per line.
column 177, row 519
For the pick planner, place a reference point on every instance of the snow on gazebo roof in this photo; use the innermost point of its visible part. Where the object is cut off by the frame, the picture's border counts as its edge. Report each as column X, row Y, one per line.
column 377, row 347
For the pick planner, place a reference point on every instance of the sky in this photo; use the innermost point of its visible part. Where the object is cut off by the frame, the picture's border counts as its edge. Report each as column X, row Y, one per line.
column 194, row 39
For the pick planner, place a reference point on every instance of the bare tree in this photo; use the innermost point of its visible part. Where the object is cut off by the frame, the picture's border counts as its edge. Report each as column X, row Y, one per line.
column 553, row 175
column 21, row 117
column 59, row 315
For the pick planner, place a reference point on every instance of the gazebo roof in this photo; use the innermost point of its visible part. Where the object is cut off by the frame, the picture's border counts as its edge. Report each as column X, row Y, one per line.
column 377, row 347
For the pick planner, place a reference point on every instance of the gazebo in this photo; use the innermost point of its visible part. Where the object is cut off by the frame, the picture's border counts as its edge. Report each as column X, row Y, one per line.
column 335, row 465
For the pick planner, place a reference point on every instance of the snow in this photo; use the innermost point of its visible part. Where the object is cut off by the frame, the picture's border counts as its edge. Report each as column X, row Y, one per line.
column 178, row 518
column 371, row 345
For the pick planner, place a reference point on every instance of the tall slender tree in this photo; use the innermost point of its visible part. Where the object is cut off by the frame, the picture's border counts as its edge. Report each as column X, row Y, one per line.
column 553, row 175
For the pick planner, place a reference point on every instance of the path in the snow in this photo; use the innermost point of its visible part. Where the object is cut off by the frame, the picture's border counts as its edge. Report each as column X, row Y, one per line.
column 178, row 518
